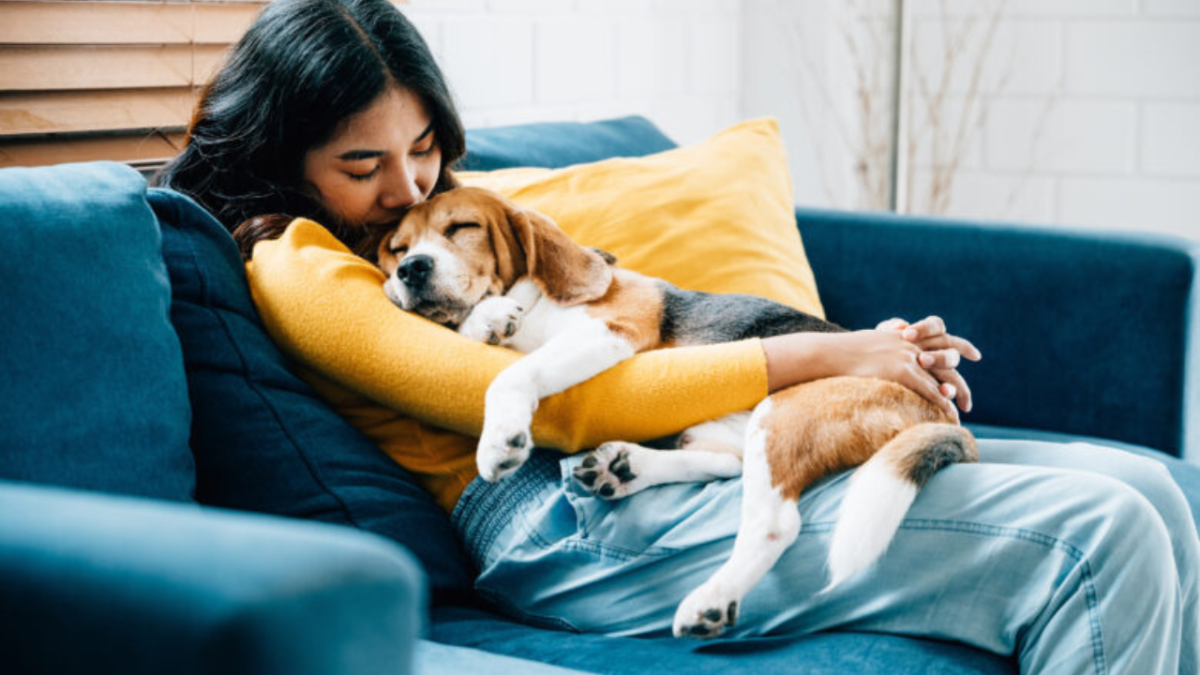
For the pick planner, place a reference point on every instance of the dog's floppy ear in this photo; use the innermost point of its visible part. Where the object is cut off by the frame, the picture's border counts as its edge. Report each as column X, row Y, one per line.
column 510, row 258
column 566, row 272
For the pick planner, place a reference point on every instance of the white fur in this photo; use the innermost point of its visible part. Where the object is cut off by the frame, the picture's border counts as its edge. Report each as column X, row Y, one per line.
column 565, row 346
column 727, row 432
column 770, row 523
column 451, row 278
column 872, row 509
column 494, row 320
column 657, row 467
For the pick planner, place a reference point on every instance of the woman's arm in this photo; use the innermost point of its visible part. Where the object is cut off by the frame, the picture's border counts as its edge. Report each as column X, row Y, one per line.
column 325, row 308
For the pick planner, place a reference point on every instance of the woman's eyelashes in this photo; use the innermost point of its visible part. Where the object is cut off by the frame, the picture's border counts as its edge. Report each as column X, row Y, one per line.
column 428, row 151
column 363, row 176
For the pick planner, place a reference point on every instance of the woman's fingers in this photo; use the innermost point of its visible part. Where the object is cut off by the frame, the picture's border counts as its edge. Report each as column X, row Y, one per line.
column 947, row 341
column 930, row 326
column 930, row 333
column 953, row 380
column 892, row 324
column 922, row 382
column 942, row 359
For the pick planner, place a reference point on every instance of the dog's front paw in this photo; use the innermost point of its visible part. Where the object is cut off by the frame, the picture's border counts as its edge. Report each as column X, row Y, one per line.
column 502, row 450
column 610, row 471
column 493, row 321
column 705, row 613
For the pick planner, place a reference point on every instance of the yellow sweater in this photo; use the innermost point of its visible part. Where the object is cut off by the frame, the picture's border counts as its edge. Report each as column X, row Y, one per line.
column 417, row 389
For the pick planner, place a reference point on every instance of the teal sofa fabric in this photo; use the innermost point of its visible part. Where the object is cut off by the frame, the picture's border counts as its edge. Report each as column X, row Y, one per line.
column 1085, row 333
column 94, row 583
column 92, row 388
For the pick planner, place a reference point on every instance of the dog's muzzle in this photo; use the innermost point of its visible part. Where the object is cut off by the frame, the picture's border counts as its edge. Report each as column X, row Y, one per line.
column 415, row 272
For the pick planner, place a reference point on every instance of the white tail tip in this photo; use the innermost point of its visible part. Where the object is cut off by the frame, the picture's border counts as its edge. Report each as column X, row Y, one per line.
column 872, row 510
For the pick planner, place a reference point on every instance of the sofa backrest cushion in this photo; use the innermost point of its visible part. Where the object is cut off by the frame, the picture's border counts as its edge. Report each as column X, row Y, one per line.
column 263, row 440
column 553, row 145
column 91, row 373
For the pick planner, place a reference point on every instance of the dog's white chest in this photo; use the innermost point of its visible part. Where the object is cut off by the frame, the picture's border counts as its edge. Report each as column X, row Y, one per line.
column 542, row 319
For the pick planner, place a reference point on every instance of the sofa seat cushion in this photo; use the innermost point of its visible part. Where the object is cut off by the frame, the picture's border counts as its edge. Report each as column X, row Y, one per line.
column 262, row 438
column 860, row 653
column 91, row 374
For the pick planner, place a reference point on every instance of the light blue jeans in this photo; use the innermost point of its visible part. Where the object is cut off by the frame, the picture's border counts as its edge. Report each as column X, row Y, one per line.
column 1069, row 558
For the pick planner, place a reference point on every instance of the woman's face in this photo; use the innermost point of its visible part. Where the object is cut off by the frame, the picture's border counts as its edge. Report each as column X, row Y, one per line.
column 379, row 162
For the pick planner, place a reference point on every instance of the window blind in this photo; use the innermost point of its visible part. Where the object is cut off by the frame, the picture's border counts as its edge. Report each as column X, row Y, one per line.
column 100, row 79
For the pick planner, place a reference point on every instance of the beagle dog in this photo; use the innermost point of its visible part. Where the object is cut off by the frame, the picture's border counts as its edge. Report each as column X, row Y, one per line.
column 475, row 262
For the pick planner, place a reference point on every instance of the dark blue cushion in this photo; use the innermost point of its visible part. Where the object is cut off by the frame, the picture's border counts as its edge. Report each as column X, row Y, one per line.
column 557, row 144
column 91, row 376
column 263, row 440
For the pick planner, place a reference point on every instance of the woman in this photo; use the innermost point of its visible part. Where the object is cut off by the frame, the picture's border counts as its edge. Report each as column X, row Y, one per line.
column 1071, row 558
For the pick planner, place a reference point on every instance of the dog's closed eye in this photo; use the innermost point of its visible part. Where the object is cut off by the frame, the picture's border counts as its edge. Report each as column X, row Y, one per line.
column 458, row 227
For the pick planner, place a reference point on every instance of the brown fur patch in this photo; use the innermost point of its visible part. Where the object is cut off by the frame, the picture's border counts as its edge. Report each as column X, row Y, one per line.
column 566, row 272
column 821, row 427
column 632, row 308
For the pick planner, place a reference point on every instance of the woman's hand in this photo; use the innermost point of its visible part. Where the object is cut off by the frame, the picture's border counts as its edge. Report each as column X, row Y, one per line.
column 883, row 354
column 941, row 353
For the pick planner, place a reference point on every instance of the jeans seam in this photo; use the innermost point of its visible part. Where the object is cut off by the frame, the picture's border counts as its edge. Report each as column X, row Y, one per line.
column 578, row 543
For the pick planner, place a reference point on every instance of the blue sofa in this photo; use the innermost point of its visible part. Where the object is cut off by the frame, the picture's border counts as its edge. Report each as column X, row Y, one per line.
column 174, row 499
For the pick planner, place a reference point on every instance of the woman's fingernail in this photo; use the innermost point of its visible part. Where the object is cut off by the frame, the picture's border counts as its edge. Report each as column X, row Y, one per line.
column 910, row 333
column 927, row 360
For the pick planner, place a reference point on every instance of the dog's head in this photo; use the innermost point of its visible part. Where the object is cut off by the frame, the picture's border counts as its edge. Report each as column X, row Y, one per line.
column 466, row 244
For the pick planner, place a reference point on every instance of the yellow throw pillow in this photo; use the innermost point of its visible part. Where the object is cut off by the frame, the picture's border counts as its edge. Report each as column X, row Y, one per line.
column 715, row 217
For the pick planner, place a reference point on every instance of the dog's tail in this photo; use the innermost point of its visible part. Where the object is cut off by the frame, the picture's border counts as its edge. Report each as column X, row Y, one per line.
column 883, row 488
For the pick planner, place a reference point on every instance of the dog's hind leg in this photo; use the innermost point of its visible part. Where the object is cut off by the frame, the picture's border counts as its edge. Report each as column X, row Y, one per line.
column 727, row 434
column 708, row 451
column 618, row 469
column 770, row 523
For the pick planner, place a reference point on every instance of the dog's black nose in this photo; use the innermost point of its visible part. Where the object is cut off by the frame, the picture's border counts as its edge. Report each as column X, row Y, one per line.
column 415, row 270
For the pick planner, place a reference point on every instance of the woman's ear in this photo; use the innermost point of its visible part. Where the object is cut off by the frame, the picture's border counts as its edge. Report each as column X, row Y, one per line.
column 566, row 272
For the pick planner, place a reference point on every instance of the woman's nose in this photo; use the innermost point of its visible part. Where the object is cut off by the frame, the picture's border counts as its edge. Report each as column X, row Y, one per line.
column 401, row 191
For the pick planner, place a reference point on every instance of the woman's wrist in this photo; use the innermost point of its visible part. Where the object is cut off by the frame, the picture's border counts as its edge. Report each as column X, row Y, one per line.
column 795, row 358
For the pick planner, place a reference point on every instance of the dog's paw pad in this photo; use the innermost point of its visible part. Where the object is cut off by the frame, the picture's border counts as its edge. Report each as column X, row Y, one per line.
column 705, row 623
column 518, row 441
column 608, row 471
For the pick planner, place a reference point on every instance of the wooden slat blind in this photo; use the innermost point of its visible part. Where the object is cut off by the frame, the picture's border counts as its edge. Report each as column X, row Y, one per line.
column 104, row 79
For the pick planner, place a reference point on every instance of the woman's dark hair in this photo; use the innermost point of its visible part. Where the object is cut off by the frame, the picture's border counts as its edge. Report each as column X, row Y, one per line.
column 299, row 71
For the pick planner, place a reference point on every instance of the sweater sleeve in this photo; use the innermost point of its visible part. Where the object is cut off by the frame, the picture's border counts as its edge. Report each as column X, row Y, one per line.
column 325, row 308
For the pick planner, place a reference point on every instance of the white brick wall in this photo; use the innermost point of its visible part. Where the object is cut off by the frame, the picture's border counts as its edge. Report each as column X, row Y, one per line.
column 1092, row 108
column 676, row 62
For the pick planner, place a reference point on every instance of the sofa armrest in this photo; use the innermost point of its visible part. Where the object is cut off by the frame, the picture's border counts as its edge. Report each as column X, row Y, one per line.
column 1092, row 333
column 96, row 583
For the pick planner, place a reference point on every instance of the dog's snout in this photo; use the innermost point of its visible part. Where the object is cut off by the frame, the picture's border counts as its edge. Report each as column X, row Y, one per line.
column 415, row 270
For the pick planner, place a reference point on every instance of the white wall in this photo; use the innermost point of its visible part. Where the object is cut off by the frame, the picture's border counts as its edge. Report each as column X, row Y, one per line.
column 1091, row 107
column 676, row 62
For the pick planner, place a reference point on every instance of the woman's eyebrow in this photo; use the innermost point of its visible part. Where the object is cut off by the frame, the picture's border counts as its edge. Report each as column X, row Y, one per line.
column 361, row 154
column 353, row 155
